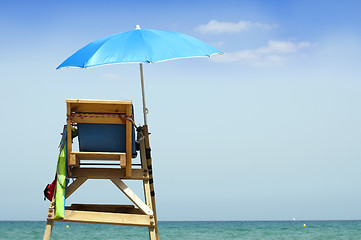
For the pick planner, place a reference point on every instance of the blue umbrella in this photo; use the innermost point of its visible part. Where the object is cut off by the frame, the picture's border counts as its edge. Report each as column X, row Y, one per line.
column 139, row 46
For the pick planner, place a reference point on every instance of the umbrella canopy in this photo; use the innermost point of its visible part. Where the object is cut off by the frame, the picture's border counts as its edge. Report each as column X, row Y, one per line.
column 139, row 46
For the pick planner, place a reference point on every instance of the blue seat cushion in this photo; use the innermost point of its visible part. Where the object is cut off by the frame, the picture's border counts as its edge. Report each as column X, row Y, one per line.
column 103, row 138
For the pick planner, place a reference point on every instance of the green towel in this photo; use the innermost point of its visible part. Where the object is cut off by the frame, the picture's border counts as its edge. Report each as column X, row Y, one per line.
column 60, row 185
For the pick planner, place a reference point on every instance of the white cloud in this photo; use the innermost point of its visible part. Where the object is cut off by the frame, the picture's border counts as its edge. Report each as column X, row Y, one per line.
column 275, row 53
column 230, row 27
column 283, row 47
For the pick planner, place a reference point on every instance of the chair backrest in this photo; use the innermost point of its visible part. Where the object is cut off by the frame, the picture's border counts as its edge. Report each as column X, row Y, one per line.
column 102, row 126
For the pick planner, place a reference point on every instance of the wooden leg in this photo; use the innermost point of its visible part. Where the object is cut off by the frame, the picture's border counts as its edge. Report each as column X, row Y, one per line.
column 48, row 229
column 149, row 194
column 50, row 219
column 152, row 234
column 155, row 219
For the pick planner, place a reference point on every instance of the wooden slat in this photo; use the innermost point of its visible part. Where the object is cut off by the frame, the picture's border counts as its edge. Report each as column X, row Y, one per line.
column 72, row 160
column 107, row 218
column 132, row 196
column 98, row 207
column 97, row 101
column 107, row 173
column 105, row 208
column 98, row 106
column 75, row 185
column 123, row 162
column 128, row 142
column 69, row 138
column 106, row 156
column 99, row 120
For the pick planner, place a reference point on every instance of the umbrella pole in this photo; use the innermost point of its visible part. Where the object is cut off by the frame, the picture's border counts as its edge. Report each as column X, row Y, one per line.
column 145, row 110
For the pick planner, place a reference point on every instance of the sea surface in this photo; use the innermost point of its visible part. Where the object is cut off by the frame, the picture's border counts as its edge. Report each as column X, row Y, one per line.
column 189, row 230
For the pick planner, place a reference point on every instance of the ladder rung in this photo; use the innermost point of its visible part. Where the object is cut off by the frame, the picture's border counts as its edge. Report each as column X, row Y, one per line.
column 108, row 164
column 97, row 164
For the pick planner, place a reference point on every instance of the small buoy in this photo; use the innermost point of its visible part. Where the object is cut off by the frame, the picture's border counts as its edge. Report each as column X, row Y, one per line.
column 304, row 225
column 67, row 226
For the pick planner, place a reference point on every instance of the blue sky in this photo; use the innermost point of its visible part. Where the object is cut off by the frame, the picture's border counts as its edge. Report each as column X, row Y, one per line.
column 268, row 131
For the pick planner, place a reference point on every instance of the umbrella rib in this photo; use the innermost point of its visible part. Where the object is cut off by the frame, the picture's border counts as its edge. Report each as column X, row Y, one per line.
column 105, row 43
column 146, row 45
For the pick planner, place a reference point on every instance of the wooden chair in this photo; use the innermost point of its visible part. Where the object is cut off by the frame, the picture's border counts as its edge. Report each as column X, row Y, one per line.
column 112, row 113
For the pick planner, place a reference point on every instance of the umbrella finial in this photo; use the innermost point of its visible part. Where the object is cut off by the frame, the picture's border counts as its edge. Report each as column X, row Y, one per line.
column 137, row 27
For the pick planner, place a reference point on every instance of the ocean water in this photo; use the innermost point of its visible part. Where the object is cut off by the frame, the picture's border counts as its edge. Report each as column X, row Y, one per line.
column 189, row 230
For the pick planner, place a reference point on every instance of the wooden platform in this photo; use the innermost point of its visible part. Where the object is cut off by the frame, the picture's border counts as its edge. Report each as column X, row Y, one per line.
column 76, row 157
column 106, row 214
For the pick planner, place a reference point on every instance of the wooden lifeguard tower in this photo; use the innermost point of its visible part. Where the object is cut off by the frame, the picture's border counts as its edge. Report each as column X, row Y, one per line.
column 119, row 114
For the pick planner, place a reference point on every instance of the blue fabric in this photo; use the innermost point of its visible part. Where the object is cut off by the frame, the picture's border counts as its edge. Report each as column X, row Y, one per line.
column 139, row 46
column 104, row 138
